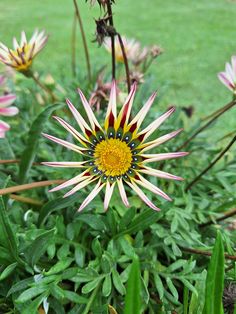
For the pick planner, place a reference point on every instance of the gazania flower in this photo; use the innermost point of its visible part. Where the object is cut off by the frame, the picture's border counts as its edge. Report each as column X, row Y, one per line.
column 21, row 56
column 5, row 110
column 115, row 154
column 133, row 50
column 228, row 78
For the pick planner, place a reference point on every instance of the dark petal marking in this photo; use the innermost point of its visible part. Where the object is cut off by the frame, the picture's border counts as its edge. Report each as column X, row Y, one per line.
column 133, row 127
column 111, row 120
column 111, row 132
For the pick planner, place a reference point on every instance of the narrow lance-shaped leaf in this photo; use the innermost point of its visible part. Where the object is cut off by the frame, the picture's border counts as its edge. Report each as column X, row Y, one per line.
column 28, row 155
column 132, row 298
column 215, row 279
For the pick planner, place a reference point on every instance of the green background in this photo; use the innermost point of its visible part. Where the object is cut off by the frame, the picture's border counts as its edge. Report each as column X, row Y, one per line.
column 198, row 38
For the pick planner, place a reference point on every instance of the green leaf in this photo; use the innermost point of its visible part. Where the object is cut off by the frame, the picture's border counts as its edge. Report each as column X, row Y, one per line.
column 55, row 205
column 91, row 285
column 32, row 308
column 74, row 297
column 159, row 285
column 7, row 236
column 21, row 285
column 95, row 222
column 28, row 155
column 133, row 290
column 215, row 279
column 106, row 287
column 37, row 248
column 31, row 293
column 117, row 282
column 7, row 271
column 59, row 266
column 141, row 222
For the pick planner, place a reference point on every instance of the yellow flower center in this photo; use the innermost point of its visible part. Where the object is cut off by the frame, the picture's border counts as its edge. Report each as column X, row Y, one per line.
column 113, row 157
column 22, row 55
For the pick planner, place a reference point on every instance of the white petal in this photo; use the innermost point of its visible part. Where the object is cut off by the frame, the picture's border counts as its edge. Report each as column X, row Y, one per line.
column 80, row 186
column 159, row 140
column 158, row 157
column 142, row 196
column 123, row 193
column 108, row 194
column 159, row 173
column 64, row 164
column 91, row 196
column 155, row 124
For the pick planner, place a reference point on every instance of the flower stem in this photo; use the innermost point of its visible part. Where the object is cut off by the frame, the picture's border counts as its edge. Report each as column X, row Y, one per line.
column 211, row 164
column 29, row 186
column 86, row 52
column 216, row 116
column 113, row 58
column 43, row 87
column 219, row 110
column 206, row 253
column 26, row 200
column 226, row 215
column 125, row 61
column 16, row 161
column 91, row 299
column 73, row 46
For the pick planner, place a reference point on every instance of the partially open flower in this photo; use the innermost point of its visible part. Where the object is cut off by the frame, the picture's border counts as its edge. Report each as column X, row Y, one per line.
column 133, row 49
column 5, row 110
column 228, row 78
column 115, row 154
column 136, row 77
column 21, row 56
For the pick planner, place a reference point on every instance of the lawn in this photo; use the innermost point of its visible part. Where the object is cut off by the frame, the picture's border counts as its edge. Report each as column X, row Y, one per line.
column 198, row 38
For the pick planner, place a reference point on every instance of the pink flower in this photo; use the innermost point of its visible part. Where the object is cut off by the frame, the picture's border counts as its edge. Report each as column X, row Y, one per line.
column 228, row 78
column 5, row 110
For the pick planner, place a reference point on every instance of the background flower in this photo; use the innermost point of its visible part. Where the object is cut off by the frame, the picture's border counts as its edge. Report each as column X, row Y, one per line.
column 228, row 78
column 21, row 56
column 5, row 110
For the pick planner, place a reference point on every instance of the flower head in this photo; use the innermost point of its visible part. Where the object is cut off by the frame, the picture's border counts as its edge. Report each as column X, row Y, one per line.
column 5, row 110
column 133, row 49
column 116, row 153
column 21, row 56
column 228, row 78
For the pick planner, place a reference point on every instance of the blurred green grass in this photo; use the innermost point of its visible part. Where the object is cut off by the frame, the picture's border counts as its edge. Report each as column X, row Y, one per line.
column 198, row 38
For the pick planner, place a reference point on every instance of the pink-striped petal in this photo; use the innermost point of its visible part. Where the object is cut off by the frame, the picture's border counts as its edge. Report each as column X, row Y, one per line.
column 233, row 61
column 142, row 196
column 66, row 144
column 10, row 111
column 80, row 177
column 222, row 77
column 23, row 39
column 108, row 194
column 80, row 186
column 142, row 113
column 91, row 196
column 160, row 140
column 158, row 157
column 151, row 187
column 2, row 80
column 80, row 120
column 111, row 109
column 92, row 119
column 7, row 100
column 65, row 164
column 124, row 114
column 155, row 124
column 72, row 130
column 122, row 192
column 159, row 173
column 4, row 127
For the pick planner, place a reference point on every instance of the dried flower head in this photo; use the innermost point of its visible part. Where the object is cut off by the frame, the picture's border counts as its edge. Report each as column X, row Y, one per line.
column 5, row 110
column 21, row 56
column 155, row 51
column 116, row 153
column 229, row 298
column 100, row 94
column 136, row 77
column 103, row 30
column 228, row 78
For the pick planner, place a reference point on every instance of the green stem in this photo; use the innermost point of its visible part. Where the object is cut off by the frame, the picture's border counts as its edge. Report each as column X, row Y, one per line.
column 125, row 61
column 113, row 58
column 43, row 87
column 73, row 46
column 91, row 299
column 86, row 52
column 211, row 164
